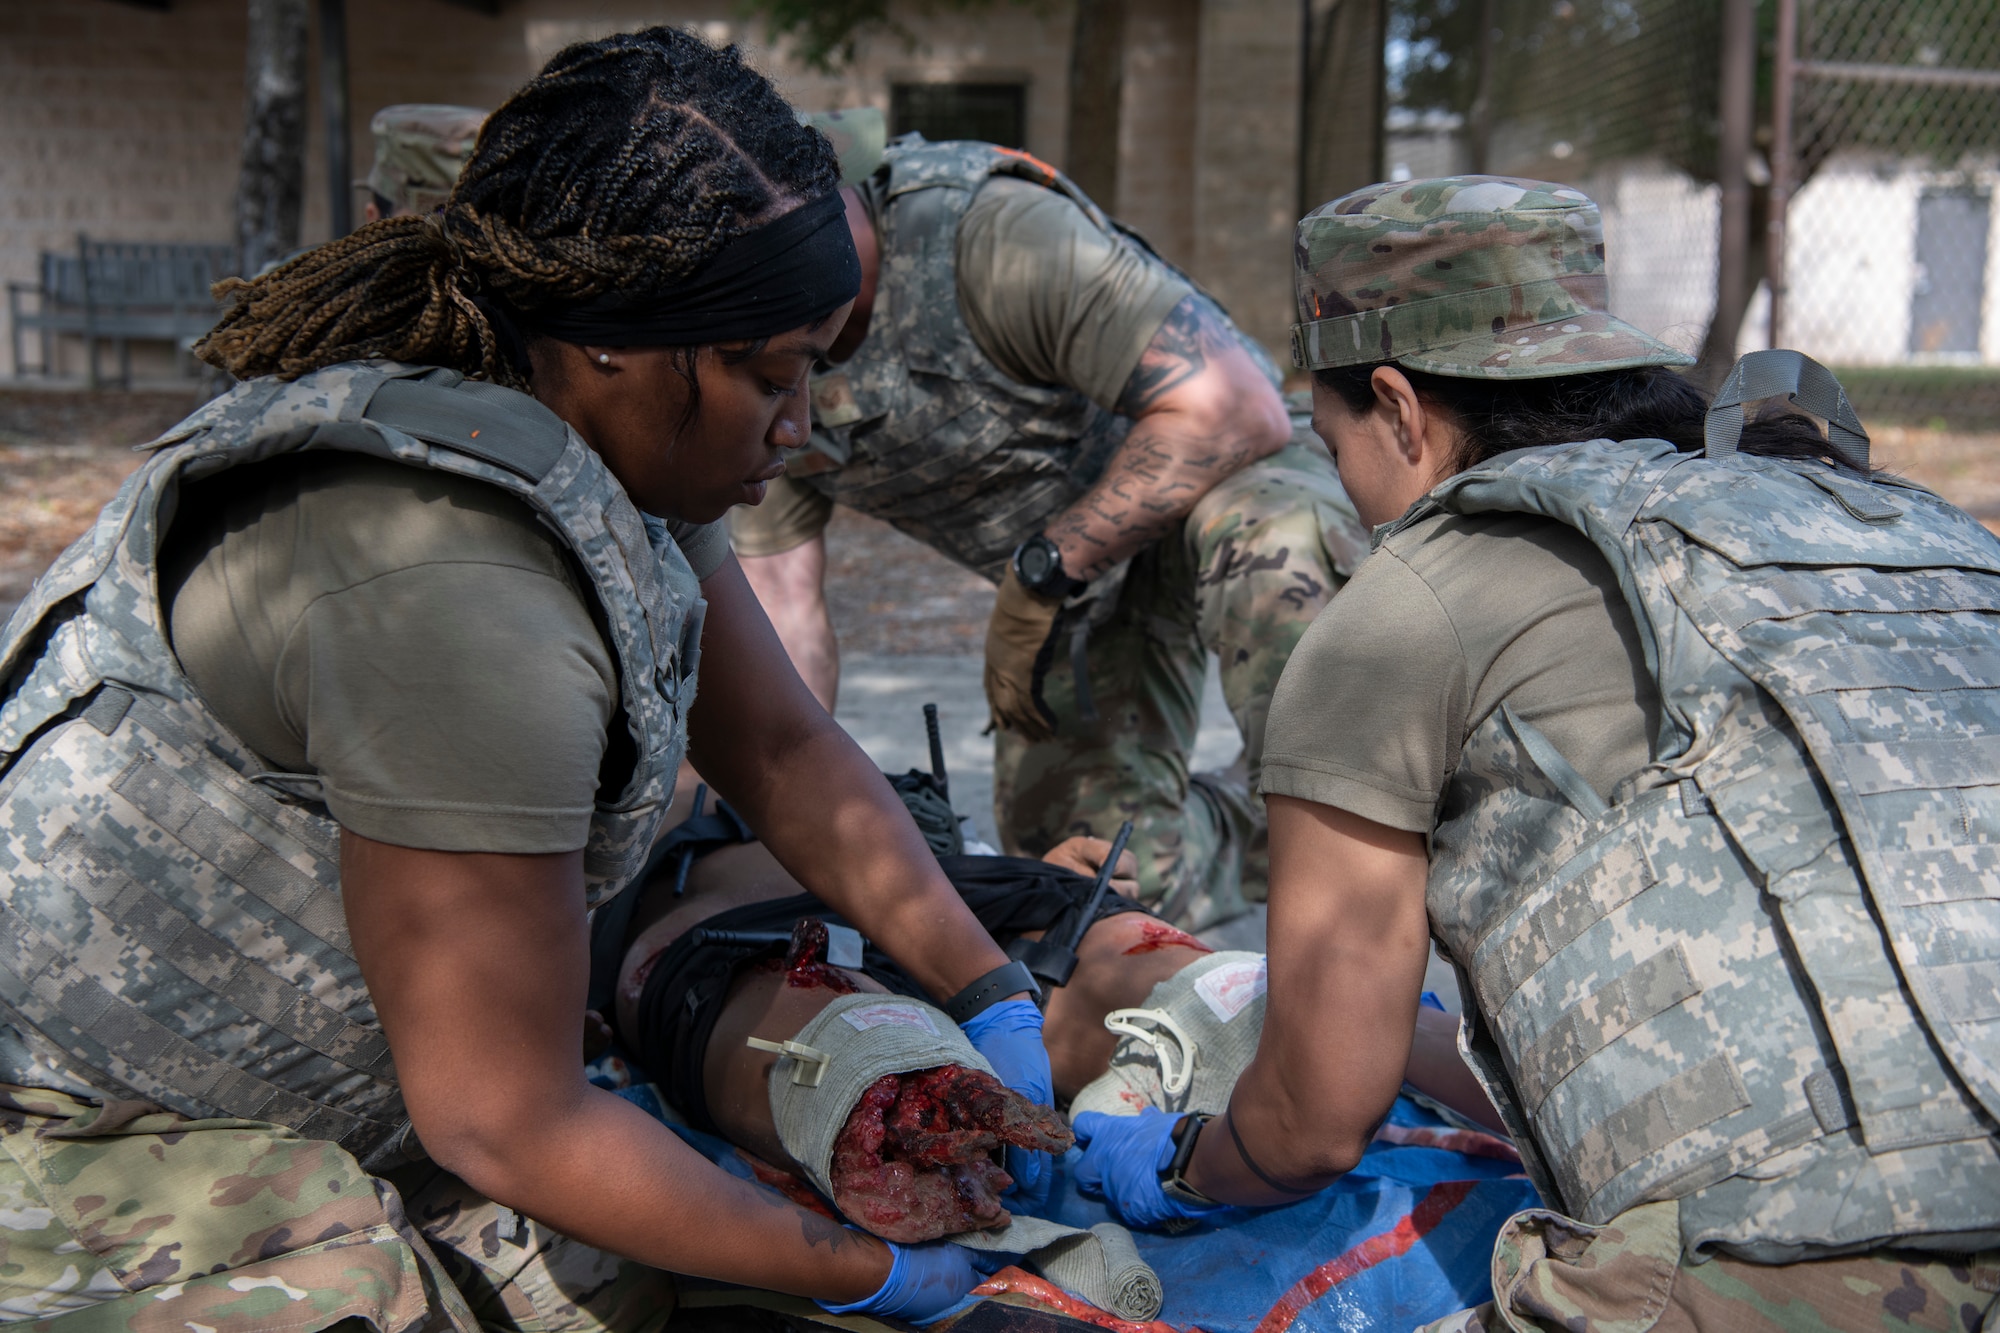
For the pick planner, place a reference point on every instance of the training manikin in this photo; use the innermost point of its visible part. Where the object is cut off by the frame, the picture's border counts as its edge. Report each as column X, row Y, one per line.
column 909, row 1148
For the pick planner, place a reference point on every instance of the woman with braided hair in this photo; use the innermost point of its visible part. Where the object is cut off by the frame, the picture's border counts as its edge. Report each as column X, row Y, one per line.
column 373, row 680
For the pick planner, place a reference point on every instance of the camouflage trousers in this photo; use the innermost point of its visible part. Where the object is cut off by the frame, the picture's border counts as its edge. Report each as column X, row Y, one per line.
column 126, row 1217
column 1551, row 1272
column 1250, row 568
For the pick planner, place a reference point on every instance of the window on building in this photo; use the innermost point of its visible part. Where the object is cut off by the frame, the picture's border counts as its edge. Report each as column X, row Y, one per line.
column 993, row 112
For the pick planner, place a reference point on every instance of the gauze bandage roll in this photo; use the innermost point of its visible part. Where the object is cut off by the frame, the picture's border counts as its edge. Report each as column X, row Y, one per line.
column 1184, row 1049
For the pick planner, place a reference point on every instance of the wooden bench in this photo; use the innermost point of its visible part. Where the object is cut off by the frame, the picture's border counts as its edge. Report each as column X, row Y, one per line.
column 122, row 292
column 149, row 290
column 57, row 307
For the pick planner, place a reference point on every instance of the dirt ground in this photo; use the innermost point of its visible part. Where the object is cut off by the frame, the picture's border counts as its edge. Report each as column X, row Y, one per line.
column 64, row 452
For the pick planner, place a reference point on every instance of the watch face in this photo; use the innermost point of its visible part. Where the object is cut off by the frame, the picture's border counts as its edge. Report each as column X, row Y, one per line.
column 1037, row 562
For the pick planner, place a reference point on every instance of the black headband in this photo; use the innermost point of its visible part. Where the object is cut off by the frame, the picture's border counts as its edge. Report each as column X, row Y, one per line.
column 786, row 273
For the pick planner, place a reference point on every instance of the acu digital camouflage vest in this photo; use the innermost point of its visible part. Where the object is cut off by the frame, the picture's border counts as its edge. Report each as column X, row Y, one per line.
column 1765, row 979
column 921, row 428
column 171, row 927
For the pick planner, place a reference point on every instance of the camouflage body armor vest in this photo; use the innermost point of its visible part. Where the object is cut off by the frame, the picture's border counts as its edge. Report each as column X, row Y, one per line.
column 921, row 429
column 1765, row 978
column 171, row 927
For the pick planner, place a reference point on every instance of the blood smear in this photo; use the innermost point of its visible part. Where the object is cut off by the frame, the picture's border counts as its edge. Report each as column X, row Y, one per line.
column 1157, row 935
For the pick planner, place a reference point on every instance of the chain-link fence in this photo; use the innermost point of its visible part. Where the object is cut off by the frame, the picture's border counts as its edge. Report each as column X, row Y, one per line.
column 1895, row 130
column 1888, row 253
column 1615, row 96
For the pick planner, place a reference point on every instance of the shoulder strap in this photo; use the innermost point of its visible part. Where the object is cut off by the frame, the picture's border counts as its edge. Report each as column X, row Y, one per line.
column 1804, row 382
column 518, row 434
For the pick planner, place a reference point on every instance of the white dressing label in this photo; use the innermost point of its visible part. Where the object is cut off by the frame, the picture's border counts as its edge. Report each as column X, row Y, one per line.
column 1229, row 989
column 888, row 1014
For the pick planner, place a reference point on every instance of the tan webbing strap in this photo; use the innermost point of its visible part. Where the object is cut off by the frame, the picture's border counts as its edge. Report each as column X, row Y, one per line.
column 1602, row 1017
column 152, row 1053
column 1554, row 766
column 1927, row 876
column 629, row 531
column 175, row 807
column 1874, row 767
column 1874, row 591
column 1622, row 874
column 1966, row 992
column 1919, row 666
column 1640, row 1128
column 150, row 920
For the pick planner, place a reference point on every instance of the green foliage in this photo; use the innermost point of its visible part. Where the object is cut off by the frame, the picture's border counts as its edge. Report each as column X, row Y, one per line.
column 827, row 31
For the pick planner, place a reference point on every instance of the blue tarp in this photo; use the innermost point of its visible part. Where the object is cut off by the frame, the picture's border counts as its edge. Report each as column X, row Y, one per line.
column 1403, row 1238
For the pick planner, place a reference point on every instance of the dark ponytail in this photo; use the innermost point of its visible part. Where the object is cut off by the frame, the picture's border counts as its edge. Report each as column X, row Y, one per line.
column 1648, row 402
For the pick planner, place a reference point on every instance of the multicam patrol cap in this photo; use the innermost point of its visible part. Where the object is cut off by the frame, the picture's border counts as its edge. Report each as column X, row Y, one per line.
column 1482, row 277
column 859, row 135
column 419, row 150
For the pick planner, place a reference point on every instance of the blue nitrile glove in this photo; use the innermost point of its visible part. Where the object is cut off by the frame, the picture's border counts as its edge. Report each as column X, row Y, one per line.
column 1123, row 1156
column 1009, row 1035
column 924, row 1281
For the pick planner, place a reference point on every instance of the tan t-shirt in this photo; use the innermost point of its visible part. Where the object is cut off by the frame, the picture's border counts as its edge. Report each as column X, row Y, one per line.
column 418, row 640
column 1048, row 298
column 1445, row 621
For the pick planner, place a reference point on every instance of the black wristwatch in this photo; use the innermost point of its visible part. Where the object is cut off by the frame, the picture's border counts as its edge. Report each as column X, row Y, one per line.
column 1039, row 567
column 1173, row 1176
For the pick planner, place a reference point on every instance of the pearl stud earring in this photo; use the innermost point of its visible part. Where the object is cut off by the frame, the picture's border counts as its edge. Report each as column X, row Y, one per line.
column 604, row 358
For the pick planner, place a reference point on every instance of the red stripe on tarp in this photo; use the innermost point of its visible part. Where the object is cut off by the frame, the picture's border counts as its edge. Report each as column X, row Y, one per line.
column 1419, row 1222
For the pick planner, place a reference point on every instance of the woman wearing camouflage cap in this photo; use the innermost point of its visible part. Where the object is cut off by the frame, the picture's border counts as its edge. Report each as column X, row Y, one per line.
column 1676, row 733
column 373, row 680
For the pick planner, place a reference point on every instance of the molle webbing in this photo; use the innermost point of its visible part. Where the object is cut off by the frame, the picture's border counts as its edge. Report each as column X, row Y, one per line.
column 171, row 928
column 1796, row 932
column 926, row 432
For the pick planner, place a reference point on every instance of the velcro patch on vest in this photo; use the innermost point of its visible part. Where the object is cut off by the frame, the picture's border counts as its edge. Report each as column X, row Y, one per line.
column 1602, row 1017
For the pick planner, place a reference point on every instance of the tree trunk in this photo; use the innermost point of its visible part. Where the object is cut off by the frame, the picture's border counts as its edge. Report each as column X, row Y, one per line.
column 1096, row 95
column 1479, row 116
column 1736, row 267
column 333, row 111
column 1718, row 349
column 271, row 189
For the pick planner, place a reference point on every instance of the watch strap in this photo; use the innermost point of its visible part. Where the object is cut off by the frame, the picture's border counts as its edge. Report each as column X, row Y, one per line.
column 1070, row 585
column 1008, row 979
column 1173, row 1177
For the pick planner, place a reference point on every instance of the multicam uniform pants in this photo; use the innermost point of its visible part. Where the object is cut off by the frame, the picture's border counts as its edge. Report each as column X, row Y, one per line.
column 1254, row 563
column 1554, row 1274
column 131, row 1219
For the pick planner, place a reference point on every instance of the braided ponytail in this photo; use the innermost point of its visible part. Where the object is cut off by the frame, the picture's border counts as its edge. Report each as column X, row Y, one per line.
column 391, row 289
column 625, row 164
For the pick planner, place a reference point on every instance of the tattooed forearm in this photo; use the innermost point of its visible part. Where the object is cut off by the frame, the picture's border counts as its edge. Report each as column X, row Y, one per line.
column 1177, row 353
column 1202, row 409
